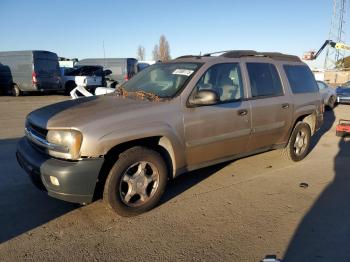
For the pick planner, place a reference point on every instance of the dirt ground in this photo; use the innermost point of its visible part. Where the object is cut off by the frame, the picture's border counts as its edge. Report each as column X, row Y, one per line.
column 237, row 211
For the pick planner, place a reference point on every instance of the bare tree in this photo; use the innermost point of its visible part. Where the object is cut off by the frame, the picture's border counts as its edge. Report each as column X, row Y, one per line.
column 141, row 53
column 155, row 53
column 164, row 49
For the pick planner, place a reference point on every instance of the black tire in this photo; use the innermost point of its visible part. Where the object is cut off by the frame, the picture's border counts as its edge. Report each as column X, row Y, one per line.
column 116, row 189
column 69, row 87
column 290, row 152
column 332, row 102
column 15, row 91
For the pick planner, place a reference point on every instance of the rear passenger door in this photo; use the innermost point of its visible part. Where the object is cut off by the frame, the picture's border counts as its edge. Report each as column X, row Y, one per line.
column 271, row 107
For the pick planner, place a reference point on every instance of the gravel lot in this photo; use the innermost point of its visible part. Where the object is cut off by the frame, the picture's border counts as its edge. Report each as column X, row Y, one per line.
column 237, row 211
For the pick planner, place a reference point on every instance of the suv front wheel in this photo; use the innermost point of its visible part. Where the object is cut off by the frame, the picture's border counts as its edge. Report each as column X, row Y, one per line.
column 299, row 142
column 136, row 182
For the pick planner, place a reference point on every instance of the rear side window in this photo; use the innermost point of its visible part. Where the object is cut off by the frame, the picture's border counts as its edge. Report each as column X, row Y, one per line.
column 264, row 80
column 301, row 79
column 43, row 66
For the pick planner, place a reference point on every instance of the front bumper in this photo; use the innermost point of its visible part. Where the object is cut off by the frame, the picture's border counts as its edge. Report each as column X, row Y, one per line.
column 343, row 99
column 77, row 179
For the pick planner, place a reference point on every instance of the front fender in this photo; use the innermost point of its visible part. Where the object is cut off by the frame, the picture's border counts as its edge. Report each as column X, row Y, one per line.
column 170, row 140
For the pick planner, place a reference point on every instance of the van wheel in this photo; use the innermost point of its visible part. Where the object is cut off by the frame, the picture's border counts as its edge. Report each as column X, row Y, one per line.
column 136, row 182
column 299, row 143
column 15, row 91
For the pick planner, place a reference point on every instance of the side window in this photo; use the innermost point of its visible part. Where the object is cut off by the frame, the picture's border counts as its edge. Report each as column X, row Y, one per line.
column 264, row 80
column 301, row 79
column 225, row 79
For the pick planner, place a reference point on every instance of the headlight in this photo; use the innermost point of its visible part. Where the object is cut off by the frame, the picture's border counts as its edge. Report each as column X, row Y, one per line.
column 65, row 143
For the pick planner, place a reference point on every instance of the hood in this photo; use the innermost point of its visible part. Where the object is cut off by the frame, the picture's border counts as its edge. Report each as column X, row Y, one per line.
column 80, row 112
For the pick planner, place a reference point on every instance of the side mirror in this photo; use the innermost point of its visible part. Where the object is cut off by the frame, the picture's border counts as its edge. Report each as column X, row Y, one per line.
column 204, row 97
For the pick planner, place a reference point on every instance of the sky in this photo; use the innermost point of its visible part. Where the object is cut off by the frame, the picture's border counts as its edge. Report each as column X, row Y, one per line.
column 81, row 28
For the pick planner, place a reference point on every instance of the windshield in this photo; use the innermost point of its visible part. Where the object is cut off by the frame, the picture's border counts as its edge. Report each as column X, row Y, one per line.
column 162, row 80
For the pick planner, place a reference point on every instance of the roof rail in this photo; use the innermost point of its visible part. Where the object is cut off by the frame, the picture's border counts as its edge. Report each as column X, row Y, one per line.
column 245, row 53
column 272, row 55
column 189, row 56
column 217, row 52
column 281, row 56
column 239, row 53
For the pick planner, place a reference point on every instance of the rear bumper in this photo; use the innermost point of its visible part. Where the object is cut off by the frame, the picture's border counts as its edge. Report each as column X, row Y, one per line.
column 77, row 179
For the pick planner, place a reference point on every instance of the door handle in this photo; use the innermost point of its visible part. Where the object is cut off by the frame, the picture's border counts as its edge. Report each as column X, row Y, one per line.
column 242, row 112
column 285, row 106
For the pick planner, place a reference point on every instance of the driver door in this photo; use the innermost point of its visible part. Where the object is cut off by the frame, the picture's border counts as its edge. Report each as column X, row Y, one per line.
column 219, row 131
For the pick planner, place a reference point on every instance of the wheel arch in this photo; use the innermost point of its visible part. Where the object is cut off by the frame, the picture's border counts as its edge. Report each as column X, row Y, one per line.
column 160, row 144
column 308, row 118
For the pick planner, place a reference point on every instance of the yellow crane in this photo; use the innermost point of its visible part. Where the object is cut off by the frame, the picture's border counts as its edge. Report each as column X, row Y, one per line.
column 312, row 55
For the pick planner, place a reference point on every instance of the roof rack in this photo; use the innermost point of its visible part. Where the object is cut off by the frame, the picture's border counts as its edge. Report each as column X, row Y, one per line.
column 217, row 52
column 189, row 56
column 246, row 53
column 272, row 55
column 281, row 56
column 239, row 53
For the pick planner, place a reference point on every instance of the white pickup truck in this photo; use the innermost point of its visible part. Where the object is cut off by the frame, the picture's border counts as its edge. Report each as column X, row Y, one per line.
column 89, row 76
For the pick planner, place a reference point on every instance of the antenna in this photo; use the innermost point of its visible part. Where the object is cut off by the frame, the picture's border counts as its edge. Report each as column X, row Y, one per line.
column 336, row 33
column 104, row 53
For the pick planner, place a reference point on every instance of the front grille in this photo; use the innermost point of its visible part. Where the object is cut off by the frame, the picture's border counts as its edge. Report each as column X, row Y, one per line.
column 38, row 131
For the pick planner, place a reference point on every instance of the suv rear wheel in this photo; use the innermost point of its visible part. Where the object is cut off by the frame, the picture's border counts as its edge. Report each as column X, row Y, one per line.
column 136, row 181
column 299, row 142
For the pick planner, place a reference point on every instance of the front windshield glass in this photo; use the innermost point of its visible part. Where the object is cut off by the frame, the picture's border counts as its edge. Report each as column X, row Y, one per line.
column 162, row 80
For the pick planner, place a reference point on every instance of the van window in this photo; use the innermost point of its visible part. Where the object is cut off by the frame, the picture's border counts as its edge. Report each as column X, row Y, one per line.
column 301, row 79
column 264, row 80
column 225, row 79
column 43, row 66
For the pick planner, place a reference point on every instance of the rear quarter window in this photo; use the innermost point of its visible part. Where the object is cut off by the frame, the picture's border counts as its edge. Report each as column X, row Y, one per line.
column 301, row 79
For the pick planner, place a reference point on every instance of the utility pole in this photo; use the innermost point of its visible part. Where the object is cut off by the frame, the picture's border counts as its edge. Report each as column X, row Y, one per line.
column 336, row 34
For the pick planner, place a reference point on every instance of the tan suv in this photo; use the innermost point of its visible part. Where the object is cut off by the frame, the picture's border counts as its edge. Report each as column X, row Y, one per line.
column 171, row 118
